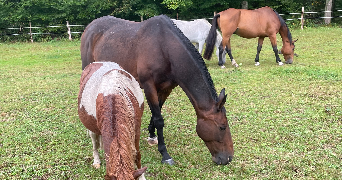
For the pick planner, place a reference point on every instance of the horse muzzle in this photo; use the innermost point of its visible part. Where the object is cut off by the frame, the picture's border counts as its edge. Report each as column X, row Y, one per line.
column 289, row 61
column 222, row 159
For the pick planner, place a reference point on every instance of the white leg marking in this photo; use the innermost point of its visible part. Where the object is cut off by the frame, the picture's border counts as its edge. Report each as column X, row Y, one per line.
column 96, row 144
column 142, row 177
column 234, row 63
column 280, row 63
column 222, row 67
column 257, row 63
column 152, row 141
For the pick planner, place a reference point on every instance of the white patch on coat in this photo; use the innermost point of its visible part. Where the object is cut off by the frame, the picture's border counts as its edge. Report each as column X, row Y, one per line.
column 111, row 83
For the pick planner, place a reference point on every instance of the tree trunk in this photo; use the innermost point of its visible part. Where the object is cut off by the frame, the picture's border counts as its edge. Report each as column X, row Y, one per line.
column 244, row 5
column 327, row 13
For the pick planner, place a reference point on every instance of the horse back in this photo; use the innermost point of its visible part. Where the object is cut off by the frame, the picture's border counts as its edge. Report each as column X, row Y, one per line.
column 94, row 33
column 262, row 22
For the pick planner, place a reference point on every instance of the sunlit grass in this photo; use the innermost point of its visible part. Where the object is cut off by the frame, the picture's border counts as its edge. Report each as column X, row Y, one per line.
column 285, row 120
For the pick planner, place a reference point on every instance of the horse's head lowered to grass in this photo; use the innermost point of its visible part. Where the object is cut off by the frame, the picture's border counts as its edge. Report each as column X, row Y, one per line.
column 288, row 51
column 215, row 133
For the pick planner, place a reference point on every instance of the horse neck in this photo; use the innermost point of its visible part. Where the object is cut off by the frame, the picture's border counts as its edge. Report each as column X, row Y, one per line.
column 120, row 163
column 283, row 31
column 195, row 82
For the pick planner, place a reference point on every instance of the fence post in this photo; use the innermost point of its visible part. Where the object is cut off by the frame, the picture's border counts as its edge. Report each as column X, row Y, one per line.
column 31, row 33
column 69, row 32
column 302, row 18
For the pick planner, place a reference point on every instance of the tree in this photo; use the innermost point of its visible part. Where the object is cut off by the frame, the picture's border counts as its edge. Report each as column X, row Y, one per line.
column 327, row 13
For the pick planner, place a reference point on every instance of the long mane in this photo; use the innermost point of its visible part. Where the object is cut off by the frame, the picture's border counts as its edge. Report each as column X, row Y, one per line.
column 284, row 25
column 196, row 56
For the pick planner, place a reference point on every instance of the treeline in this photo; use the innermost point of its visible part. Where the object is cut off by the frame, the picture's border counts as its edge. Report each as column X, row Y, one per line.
column 18, row 13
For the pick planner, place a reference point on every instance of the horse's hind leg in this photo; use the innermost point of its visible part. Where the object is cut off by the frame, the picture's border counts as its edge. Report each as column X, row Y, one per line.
column 96, row 140
column 260, row 42
column 229, row 51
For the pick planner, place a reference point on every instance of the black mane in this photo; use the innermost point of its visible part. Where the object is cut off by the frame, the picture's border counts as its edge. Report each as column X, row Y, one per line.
column 283, row 24
column 196, row 57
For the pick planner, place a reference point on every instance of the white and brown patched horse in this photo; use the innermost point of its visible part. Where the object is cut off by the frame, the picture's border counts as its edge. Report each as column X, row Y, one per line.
column 110, row 106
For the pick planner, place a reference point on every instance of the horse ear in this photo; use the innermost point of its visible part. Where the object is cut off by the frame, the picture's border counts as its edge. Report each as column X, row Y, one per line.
column 221, row 99
column 137, row 173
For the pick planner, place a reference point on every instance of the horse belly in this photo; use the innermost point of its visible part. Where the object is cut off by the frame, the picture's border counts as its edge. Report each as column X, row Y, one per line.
column 246, row 33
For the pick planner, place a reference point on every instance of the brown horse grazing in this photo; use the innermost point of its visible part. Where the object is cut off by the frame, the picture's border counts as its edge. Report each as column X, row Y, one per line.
column 160, row 57
column 110, row 104
column 262, row 22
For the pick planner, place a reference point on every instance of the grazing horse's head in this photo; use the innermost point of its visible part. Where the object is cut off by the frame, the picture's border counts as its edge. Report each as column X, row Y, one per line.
column 288, row 52
column 214, row 131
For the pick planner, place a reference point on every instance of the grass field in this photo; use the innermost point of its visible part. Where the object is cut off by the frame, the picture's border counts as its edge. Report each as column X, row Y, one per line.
column 286, row 121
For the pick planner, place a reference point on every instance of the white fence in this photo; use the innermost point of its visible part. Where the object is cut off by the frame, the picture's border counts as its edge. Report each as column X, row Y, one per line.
column 31, row 28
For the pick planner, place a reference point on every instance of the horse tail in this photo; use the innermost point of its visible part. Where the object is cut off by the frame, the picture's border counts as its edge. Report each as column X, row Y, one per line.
column 122, row 148
column 284, row 25
column 211, row 39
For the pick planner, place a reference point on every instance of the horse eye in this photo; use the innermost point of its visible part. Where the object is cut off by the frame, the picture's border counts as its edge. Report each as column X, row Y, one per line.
column 222, row 128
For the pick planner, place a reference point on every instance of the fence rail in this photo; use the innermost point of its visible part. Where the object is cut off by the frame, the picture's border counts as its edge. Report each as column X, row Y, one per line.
column 69, row 32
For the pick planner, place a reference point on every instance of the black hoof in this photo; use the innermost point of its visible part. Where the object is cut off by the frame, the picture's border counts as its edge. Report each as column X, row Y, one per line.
column 169, row 162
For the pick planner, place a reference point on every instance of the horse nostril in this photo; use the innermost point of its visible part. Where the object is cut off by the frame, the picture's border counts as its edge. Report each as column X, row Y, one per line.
column 223, row 128
column 230, row 158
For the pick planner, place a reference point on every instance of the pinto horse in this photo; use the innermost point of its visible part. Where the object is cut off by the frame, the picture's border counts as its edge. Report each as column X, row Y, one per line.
column 197, row 31
column 110, row 105
column 160, row 57
column 262, row 22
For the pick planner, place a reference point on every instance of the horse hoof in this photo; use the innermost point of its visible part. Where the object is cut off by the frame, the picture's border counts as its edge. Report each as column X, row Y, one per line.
column 152, row 141
column 222, row 67
column 257, row 64
column 169, row 162
column 96, row 166
column 280, row 63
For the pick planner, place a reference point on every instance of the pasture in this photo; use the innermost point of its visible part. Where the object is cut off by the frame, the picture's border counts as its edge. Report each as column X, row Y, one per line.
column 286, row 121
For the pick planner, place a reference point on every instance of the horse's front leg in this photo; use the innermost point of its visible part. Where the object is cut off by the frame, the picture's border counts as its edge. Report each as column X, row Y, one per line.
column 273, row 40
column 157, row 122
column 220, row 50
column 200, row 46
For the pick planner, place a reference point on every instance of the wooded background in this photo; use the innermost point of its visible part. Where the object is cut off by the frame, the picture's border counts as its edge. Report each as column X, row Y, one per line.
column 50, row 12
column 17, row 14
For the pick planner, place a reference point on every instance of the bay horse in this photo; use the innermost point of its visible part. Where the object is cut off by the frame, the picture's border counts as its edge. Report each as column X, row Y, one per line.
column 262, row 22
column 160, row 57
column 110, row 106
column 197, row 31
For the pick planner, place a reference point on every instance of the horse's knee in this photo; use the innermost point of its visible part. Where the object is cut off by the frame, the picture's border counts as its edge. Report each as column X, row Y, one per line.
column 159, row 124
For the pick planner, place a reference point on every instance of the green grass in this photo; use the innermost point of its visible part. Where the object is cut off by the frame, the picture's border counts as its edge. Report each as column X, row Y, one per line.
column 286, row 121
